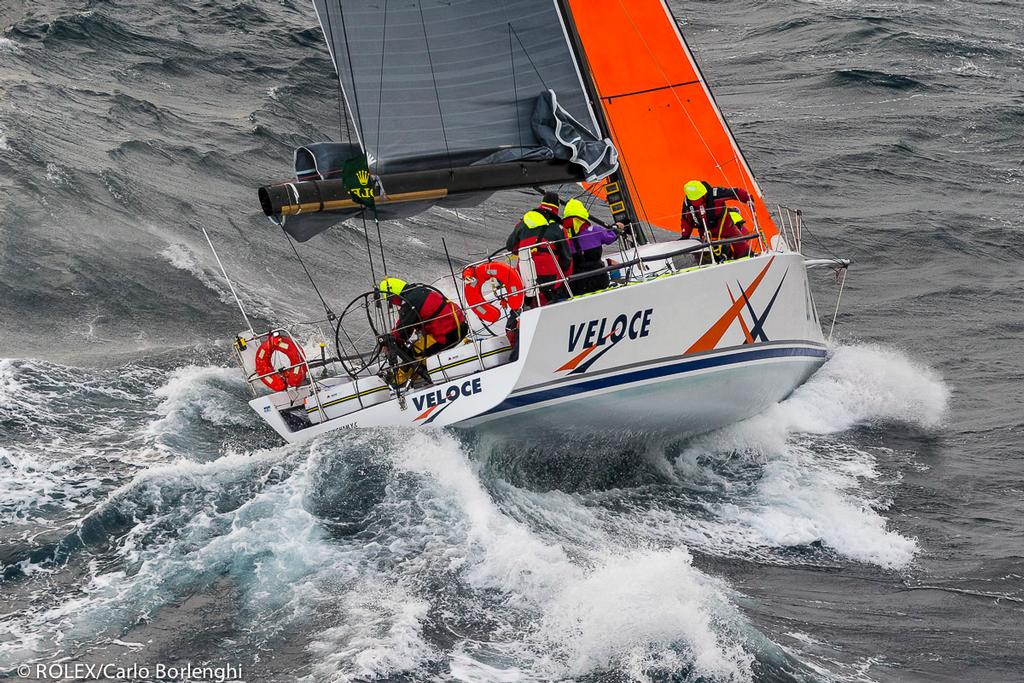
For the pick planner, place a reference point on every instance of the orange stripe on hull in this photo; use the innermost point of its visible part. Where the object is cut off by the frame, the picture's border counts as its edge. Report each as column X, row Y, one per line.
column 743, row 323
column 426, row 413
column 717, row 331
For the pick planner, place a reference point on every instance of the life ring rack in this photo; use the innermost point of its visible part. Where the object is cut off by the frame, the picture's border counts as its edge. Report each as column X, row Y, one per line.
column 474, row 278
column 291, row 376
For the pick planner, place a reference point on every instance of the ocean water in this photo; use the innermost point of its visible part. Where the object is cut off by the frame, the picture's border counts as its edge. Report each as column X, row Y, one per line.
column 867, row 529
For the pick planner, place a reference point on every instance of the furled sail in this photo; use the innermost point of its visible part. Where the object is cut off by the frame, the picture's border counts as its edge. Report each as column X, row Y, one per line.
column 485, row 91
column 658, row 109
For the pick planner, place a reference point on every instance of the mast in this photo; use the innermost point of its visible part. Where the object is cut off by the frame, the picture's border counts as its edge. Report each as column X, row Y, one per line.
column 616, row 192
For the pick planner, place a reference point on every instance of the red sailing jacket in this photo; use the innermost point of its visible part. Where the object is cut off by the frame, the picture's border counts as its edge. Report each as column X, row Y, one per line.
column 708, row 210
column 426, row 309
column 547, row 239
column 725, row 230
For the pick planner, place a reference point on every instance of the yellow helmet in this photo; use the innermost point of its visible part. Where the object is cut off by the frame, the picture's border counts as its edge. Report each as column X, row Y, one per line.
column 574, row 209
column 534, row 219
column 695, row 190
column 391, row 286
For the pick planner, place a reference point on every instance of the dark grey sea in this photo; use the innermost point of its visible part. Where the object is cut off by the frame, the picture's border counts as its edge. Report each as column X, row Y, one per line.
column 867, row 529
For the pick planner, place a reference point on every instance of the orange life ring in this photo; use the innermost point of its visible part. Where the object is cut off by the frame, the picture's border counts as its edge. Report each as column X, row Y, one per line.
column 279, row 380
column 474, row 278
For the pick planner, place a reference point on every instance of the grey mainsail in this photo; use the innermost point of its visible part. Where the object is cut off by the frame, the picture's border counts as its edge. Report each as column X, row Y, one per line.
column 466, row 86
column 425, row 79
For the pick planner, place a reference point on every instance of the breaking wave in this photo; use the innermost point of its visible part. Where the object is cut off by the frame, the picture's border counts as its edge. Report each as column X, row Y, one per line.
column 402, row 554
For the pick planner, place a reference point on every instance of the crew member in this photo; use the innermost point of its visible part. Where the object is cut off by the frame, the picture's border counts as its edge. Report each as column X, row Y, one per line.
column 586, row 242
column 732, row 225
column 705, row 206
column 439, row 322
column 540, row 231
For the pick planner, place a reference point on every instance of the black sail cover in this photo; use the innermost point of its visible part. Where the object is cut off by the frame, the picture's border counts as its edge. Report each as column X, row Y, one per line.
column 434, row 84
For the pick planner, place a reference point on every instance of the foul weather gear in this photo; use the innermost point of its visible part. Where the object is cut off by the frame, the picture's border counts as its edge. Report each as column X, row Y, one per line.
column 541, row 233
column 704, row 213
column 731, row 225
column 425, row 310
column 586, row 242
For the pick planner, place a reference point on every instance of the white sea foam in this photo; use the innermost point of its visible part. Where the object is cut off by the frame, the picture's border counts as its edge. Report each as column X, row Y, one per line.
column 611, row 607
column 503, row 554
column 381, row 634
column 8, row 46
column 570, row 588
column 786, row 479
column 803, row 499
column 29, row 482
column 866, row 384
column 642, row 612
column 49, row 464
column 572, row 569
column 272, row 548
column 56, row 174
column 195, row 394
column 811, row 489
column 185, row 259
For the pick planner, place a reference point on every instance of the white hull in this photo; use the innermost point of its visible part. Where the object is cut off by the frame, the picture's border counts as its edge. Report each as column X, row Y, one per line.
column 683, row 354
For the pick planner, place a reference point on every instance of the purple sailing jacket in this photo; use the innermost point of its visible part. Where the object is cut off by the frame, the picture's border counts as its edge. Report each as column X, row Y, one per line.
column 591, row 236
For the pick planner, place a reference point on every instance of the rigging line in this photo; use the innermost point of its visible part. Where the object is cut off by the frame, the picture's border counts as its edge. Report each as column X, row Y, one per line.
column 590, row 200
column 380, row 243
column 327, row 309
column 455, row 282
column 817, row 241
column 369, row 252
column 373, row 272
column 433, row 77
column 331, row 48
column 341, row 107
column 527, row 53
column 745, row 169
column 582, row 191
column 224, row 272
column 515, row 86
column 835, row 316
column 358, row 118
column 380, row 97
column 679, row 101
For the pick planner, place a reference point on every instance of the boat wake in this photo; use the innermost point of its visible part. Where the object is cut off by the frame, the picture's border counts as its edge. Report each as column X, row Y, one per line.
column 377, row 554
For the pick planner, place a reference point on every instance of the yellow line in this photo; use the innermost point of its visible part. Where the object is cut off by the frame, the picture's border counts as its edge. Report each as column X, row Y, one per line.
column 372, row 391
column 341, row 204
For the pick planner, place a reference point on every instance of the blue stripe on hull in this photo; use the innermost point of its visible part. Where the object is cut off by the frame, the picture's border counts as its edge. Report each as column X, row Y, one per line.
column 694, row 365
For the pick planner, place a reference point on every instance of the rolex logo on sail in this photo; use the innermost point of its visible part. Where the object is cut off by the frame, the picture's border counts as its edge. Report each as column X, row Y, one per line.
column 358, row 181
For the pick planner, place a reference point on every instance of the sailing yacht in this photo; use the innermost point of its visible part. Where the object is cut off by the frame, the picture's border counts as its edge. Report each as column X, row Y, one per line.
column 450, row 101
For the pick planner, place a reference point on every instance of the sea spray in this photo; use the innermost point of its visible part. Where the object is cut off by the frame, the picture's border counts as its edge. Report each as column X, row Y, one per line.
column 566, row 599
column 402, row 551
column 811, row 486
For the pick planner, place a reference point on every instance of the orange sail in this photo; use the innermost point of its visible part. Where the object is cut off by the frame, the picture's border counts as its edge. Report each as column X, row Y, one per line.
column 658, row 109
